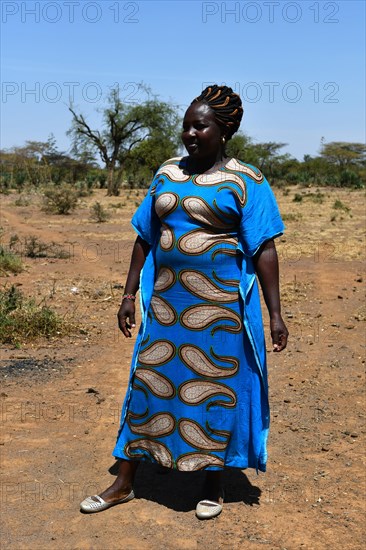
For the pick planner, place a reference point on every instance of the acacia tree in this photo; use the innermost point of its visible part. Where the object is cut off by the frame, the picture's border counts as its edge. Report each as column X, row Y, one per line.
column 269, row 157
column 343, row 154
column 147, row 156
column 241, row 146
column 264, row 156
column 28, row 163
column 41, row 162
column 123, row 127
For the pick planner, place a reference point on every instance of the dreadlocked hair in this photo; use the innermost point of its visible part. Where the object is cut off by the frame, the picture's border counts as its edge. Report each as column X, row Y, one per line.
column 226, row 105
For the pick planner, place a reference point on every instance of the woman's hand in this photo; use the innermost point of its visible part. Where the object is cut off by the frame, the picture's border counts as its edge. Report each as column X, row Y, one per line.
column 127, row 308
column 266, row 266
column 279, row 333
column 126, row 311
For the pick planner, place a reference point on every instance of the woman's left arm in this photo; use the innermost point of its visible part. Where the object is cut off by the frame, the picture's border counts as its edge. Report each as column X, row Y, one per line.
column 266, row 267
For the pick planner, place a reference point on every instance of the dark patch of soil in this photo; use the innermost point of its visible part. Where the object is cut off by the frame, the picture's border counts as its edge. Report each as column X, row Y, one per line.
column 38, row 370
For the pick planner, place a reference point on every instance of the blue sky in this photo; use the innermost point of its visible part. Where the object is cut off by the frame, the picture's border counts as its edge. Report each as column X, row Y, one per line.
column 298, row 66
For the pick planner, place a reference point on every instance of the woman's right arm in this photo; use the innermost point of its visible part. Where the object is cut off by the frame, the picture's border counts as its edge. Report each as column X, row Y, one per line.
column 127, row 309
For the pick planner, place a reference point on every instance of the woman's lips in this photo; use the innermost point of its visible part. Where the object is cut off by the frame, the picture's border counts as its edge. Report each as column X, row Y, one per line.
column 192, row 147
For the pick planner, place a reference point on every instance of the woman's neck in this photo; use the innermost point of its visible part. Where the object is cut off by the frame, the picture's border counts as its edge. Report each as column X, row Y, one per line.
column 199, row 166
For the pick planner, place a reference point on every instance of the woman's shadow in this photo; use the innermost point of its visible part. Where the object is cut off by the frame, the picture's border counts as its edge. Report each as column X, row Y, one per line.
column 181, row 491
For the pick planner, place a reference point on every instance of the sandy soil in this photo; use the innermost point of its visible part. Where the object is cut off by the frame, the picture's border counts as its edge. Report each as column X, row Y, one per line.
column 61, row 398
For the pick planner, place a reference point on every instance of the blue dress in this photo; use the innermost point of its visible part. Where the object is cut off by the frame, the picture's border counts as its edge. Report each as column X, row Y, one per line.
column 197, row 396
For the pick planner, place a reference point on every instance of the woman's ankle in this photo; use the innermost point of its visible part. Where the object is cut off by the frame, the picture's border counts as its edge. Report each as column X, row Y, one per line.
column 213, row 485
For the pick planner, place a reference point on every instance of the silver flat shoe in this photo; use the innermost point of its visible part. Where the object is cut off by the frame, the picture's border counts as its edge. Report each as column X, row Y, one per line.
column 90, row 506
column 208, row 509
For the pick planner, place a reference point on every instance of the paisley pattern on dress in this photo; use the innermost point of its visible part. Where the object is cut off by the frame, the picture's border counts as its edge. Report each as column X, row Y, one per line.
column 167, row 238
column 164, row 313
column 157, row 354
column 194, row 392
column 195, row 436
column 197, row 360
column 227, row 282
column 165, row 280
column 199, row 241
column 202, row 316
column 158, row 425
column 158, row 452
column 137, row 387
column 134, row 416
column 227, row 251
column 166, row 204
column 224, row 181
column 173, row 173
column 192, row 462
column 196, row 398
column 250, row 171
column 201, row 286
column 199, row 210
column 157, row 383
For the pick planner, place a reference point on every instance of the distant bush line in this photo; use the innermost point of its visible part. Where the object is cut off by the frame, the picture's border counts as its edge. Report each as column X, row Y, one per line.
column 63, row 179
column 132, row 140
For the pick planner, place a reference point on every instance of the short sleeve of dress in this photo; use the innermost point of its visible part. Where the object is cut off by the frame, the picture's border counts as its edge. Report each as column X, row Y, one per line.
column 145, row 221
column 261, row 219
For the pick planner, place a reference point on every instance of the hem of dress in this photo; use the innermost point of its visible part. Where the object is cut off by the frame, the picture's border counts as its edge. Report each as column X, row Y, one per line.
column 258, row 467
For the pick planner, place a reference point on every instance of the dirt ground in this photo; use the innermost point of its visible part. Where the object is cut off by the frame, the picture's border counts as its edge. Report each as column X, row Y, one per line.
column 61, row 398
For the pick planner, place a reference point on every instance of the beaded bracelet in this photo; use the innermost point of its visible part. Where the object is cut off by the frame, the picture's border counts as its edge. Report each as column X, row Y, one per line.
column 129, row 297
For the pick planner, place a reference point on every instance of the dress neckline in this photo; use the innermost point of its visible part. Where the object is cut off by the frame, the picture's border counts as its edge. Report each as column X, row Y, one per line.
column 214, row 168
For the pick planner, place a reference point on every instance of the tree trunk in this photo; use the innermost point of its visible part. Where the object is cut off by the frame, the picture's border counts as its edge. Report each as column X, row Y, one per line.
column 114, row 182
column 110, row 181
column 117, row 183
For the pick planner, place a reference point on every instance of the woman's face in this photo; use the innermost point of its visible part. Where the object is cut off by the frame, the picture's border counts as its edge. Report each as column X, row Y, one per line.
column 201, row 135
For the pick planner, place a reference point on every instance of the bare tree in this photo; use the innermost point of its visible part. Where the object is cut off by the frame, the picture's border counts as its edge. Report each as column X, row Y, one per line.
column 123, row 127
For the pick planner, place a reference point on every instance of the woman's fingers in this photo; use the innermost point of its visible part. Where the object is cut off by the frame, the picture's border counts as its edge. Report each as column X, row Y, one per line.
column 279, row 334
column 132, row 319
column 124, row 326
column 280, row 343
column 126, row 318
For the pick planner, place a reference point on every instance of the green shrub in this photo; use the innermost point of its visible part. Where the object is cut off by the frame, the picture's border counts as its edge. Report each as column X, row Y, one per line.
column 117, row 205
column 102, row 180
column 349, row 178
column 83, row 189
column 5, row 183
column 22, row 319
column 297, row 198
column 10, row 300
column 60, row 199
column 91, row 181
column 20, row 179
column 9, row 262
column 98, row 213
column 338, row 205
column 315, row 197
column 13, row 242
column 22, row 201
column 291, row 217
column 34, row 247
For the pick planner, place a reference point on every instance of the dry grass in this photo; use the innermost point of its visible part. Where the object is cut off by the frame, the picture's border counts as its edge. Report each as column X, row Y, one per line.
column 24, row 320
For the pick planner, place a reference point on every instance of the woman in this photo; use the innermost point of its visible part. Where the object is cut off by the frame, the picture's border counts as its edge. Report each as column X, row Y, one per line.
column 197, row 397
